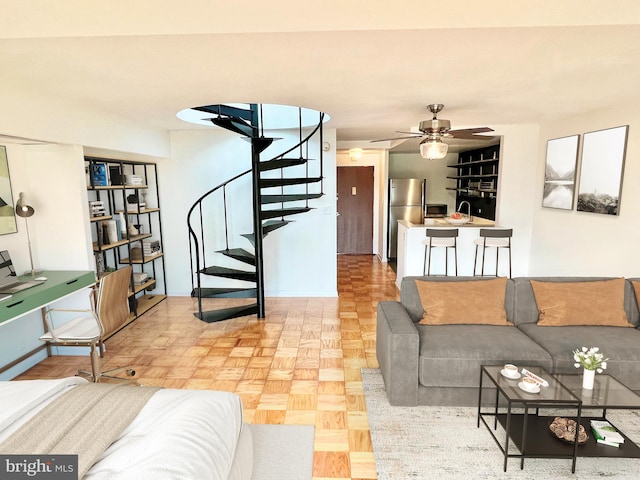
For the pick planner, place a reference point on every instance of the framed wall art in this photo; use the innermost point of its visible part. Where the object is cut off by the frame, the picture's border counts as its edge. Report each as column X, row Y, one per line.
column 7, row 214
column 601, row 170
column 560, row 172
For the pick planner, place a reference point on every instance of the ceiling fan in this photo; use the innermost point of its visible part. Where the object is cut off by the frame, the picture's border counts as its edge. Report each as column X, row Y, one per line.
column 435, row 129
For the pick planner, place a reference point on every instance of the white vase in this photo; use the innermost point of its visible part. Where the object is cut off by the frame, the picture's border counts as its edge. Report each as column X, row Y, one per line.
column 588, row 377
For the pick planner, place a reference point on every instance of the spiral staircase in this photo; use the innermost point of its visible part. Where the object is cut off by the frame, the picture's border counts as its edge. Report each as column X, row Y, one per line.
column 277, row 195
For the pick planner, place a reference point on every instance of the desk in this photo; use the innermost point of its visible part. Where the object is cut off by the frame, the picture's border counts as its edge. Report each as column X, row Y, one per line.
column 58, row 285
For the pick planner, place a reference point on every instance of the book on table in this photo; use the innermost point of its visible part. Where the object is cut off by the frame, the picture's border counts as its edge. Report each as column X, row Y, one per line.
column 606, row 433
column 602, row 441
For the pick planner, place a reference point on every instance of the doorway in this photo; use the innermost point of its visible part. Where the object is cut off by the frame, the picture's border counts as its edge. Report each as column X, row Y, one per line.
column 355, row 210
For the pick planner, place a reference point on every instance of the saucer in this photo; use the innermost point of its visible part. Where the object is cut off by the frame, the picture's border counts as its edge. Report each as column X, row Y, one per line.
column 508, row 374
column 535, row 389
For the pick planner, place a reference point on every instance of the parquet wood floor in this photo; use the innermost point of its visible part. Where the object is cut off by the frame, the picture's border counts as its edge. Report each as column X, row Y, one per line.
column 299, row 365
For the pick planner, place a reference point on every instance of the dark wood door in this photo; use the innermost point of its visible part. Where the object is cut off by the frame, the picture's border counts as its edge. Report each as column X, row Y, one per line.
column 355, row 210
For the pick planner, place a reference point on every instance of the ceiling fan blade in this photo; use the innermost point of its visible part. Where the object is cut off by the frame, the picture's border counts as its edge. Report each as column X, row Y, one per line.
column 464, row 136
column 417, row 134
column 395, row 138
column 470, row 133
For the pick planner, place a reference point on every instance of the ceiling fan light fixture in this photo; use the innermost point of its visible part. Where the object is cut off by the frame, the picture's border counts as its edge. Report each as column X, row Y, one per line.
column 433, row 149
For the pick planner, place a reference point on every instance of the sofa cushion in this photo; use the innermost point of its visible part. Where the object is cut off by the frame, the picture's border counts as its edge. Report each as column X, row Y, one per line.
column 451, row 355
column 599, row 302
column 464, row 302
column 411, row 300
column 620, row 345
column 635, row 283
column 524, row 305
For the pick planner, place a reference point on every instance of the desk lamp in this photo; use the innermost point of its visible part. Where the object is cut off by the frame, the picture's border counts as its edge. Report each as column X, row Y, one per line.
column 25, row 211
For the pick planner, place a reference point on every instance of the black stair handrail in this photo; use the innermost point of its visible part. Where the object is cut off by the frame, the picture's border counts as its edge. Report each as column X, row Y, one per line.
column 194, row 244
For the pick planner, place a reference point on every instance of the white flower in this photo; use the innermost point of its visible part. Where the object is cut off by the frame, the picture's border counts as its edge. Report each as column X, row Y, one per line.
column 590, row 359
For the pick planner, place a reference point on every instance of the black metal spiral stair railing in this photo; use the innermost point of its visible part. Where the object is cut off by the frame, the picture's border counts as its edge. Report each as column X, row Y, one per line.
column 291, row 197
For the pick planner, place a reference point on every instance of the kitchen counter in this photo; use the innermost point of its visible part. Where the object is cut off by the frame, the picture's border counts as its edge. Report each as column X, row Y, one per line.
column 441, row 222
column 411, row 250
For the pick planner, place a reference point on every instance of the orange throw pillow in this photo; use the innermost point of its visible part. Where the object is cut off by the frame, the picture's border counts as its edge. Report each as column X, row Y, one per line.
column 636, row 289
column 598, row 302
column 471, row 302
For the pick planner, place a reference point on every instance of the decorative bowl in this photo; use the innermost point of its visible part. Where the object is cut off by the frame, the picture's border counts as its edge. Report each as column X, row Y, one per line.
column 457, row 221
column 564, row 429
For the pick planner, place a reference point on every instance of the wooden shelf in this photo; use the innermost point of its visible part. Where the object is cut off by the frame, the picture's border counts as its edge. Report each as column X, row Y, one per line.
column 148, row 301
column 109, row 246
column 145, row 259
column 101, row 218
column 144, row 210
column 139, row 288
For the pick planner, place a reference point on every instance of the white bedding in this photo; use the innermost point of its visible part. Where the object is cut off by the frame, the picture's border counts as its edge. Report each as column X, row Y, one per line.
column 179, row 434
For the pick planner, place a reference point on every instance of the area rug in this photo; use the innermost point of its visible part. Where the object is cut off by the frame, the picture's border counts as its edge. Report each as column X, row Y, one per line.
column 445, row 443
column 282, row 452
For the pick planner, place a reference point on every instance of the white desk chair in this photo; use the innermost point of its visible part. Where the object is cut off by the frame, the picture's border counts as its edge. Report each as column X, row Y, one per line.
column 109, row 313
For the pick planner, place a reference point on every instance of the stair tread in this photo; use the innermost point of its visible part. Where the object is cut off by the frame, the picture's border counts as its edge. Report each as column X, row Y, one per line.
column 225, row 272
column 281, row 163
column 221, row 292
column 240, row 255
column 236, row 125
column 292, row 197
column 211, row 316
column 237, row 251
column 279, row 182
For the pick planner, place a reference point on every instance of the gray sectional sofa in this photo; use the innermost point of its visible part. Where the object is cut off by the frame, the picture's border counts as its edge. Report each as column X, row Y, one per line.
column 440, row 364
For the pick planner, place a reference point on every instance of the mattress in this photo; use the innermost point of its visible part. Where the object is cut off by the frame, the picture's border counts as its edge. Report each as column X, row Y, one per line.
column 178, row 434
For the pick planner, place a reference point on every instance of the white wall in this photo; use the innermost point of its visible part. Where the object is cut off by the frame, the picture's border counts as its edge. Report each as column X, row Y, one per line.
column 28, row 114
column 517, row 189
column 568, row 242
column 300, row 259
column 52, row 177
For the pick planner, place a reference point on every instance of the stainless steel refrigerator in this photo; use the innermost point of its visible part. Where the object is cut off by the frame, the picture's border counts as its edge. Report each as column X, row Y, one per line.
column 407, row 197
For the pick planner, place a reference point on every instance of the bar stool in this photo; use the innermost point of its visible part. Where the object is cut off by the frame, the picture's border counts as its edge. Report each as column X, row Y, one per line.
column 440, row 237
column 490, row 237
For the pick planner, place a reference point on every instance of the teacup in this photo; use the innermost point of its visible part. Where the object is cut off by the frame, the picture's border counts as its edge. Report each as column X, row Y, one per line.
column 529, row 383
column 511, row 369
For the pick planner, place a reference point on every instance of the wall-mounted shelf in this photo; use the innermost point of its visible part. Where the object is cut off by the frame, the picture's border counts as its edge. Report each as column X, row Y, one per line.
column 487, row 175
column 475, row 179
column 474, row 162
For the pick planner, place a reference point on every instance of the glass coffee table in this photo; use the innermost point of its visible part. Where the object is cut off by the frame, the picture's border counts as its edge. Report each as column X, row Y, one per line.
column 608, row 394
column 526, row 428
column 529, row 430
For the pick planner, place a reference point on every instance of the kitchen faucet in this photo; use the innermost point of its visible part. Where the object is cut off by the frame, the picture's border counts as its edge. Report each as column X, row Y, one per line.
column 468, row 209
